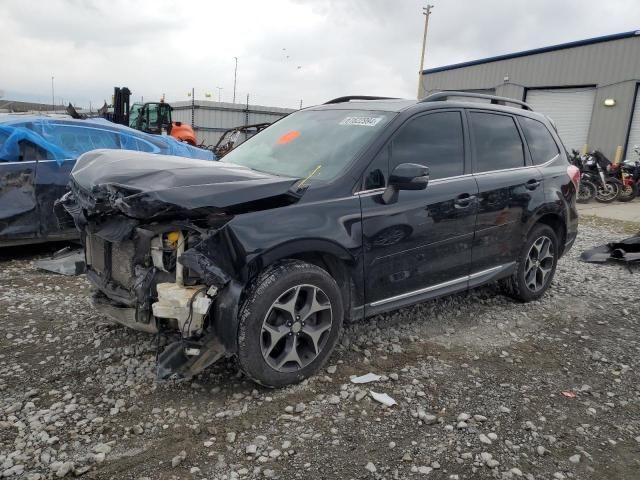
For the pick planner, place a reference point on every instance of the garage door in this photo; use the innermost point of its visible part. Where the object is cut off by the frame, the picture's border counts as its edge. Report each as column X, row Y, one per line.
column 634, row 131
column 570, row 109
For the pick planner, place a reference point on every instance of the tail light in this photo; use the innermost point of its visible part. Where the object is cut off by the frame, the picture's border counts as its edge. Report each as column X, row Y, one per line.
column 574, row 175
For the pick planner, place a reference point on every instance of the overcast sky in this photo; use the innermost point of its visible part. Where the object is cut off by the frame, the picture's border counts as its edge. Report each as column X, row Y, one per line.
column 288, row 50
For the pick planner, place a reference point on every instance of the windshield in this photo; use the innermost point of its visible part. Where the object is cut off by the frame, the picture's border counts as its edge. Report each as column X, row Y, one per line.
column 322, row 142
column 134, row 113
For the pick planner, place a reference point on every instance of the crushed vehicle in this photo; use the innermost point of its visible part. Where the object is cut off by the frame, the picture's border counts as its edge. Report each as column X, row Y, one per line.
column 335, row 213
column 233, row 137
column 37, row 153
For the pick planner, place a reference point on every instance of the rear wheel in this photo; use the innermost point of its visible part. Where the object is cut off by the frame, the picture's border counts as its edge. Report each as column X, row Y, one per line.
column 289, row 323
column 628, row 192
column 535, row 266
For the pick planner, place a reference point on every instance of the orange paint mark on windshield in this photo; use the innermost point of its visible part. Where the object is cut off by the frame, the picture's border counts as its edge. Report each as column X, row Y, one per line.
column 288, row 137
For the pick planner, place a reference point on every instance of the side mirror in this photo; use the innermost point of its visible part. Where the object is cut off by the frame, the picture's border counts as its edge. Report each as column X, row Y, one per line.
column 406, row 176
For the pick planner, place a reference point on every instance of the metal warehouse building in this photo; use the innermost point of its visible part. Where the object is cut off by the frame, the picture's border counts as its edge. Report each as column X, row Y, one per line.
column 589, row 88
column 210, row 119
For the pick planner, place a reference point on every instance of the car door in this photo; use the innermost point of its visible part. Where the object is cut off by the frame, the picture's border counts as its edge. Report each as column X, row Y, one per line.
column 510, row 189
column 52, row 178
column 19, row 218
column 419, row 244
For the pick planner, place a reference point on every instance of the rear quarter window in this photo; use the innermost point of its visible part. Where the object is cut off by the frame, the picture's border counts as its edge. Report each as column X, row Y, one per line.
column 541, row 144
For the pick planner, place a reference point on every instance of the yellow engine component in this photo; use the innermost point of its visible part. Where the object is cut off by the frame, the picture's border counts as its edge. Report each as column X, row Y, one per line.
column 172, row 238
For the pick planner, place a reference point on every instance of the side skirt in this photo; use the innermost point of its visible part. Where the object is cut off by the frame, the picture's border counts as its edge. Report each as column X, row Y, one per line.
column 440, row 290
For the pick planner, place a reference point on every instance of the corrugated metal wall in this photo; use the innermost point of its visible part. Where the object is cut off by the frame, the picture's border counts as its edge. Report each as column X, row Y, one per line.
column 613, row 67
column 213, row 118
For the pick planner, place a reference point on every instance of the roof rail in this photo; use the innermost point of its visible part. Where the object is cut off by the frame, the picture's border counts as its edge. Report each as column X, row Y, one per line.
column 494, row 99
column 348, row 98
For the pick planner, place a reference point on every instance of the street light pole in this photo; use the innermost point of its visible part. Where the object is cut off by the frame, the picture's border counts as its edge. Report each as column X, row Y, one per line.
column 53, row 96
column 426, row 11
column 235, row 78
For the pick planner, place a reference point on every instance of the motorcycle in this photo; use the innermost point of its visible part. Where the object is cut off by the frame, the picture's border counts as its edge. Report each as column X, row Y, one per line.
column 596, row 171
column 586, row 189
column 628, row 172
column 631, row 169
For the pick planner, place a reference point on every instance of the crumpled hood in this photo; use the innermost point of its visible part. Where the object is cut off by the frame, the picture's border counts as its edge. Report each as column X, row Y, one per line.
column 144, row 185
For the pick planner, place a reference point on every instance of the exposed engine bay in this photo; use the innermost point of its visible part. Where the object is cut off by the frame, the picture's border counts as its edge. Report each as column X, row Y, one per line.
column 160, row 250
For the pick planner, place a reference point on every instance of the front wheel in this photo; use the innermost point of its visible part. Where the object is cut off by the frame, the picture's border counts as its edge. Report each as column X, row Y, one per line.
column 586, row 191
column 535, row 266
column 608, row 192
column 289, row 323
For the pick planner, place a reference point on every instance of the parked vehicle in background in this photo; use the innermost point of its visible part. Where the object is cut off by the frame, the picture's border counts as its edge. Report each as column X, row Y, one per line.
column 150, row 117
column 586, row 189
column 596, row 170
column 337, row 212
column 627, row 173
column 37, row 153
column 630, row 169
column 235, row 136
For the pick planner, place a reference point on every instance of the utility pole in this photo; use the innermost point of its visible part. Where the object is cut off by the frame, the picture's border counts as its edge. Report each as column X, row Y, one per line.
column 426, row 11
column 193, row 106
column 219, row 95
column 246, row 112
column 53, row 95
column 235, row 78
column 300, row 104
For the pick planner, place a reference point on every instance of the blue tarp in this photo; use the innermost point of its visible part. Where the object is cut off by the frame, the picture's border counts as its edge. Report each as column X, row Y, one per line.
column 62, row 138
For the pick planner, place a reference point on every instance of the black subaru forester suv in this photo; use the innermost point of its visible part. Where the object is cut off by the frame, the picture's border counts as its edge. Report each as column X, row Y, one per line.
column 336, row 212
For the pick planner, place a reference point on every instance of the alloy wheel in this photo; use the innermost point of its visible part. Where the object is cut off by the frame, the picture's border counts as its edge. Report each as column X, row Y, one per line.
column 539, row 264
column 296, row 328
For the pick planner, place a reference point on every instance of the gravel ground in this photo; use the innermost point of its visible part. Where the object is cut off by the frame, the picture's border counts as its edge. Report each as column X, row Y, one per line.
column 485, row 388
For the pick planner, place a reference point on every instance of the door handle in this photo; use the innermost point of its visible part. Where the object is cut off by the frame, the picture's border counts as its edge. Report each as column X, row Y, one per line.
column 532, row 184
column 464, row 200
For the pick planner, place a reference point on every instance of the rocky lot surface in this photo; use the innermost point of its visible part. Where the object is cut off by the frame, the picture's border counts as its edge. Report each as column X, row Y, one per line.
column 485, row 388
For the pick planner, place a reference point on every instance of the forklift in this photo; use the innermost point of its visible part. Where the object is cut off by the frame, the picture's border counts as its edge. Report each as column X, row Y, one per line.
column 151, row 117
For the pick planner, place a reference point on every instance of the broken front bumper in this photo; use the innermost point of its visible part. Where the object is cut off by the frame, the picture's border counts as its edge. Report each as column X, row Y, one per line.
column 135, row 290
column 126, row 316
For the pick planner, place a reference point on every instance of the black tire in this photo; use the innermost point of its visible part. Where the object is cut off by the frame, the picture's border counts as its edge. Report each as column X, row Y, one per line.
column 263, row 303
column 586, row 192
column 628, row 193
column 608, row 195
column 516, row 285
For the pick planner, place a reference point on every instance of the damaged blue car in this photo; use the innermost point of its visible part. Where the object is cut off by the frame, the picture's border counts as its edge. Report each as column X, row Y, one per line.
column 38, row 152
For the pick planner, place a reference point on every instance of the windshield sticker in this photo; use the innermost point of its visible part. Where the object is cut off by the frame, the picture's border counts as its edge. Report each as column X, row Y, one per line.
column 361, row 121
column 288, row 137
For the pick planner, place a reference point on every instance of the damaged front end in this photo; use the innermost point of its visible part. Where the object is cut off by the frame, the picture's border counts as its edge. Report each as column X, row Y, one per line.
column 159, row 249
column 142, row 283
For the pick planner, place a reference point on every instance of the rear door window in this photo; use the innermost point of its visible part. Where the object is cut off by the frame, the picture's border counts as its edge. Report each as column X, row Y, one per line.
column 498, row 145
column 541, row 144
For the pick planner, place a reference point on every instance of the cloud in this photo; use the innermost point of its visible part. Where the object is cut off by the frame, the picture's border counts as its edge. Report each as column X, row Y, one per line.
column 341, row 46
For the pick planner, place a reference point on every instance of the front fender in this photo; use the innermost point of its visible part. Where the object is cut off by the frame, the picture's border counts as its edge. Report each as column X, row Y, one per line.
column 229, row 299
column 224, row 321
column 294, row 248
